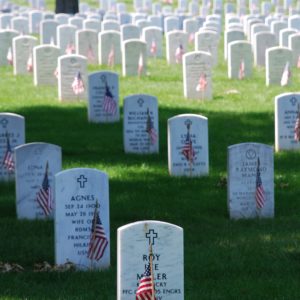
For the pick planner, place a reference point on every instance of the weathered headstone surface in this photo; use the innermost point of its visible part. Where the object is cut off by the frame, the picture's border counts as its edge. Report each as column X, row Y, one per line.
column 134, row 58
column 103, row 106
column 176, row 46
column 153, row 37
column 284, row 36
column 22, row 52
column 171, row 23
column 261, row 42
column 68, row 68
column 197, row 83
column 294, row 45
column 44, row 64
column 277, row 59
column 77, row 22
column 258, row 27
column 188, row 145
column 240, row 60
column 167, row 259
column 12, row 134
column 108, row 25
column 287, row 121
column 6, row 38
column 232, row 35
column 20, row 24
column 5, row 20
column 140, row 129
column 92, row 24
column 294, row 22
column 66, row 37
column 78, row 192
column 129, row 31
column 36, row 165
column 250, row 181
column 276, row 26
column 110, row 48
column 35, row 18
column 87, row 45
column 48, row 31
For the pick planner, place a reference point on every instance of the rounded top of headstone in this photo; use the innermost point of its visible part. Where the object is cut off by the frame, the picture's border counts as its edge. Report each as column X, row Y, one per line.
column 185, row 116
column 249, row 145
column 80, row 170
column 147, row 224
column 9, row 114
column 36, row 144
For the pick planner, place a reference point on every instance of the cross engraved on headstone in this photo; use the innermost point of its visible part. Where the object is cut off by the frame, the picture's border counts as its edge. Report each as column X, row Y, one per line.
column 151, row 236
column 82, row 180
column 4, row 122
column 103, row 78
column 293, row 101
column 140, row 102
column 188, row 122
column 251, row 154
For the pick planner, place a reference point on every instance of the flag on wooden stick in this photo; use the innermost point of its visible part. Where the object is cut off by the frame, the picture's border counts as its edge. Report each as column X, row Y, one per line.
column 286, row 75
column 78, row 85
column 153, row 48
column 259, row 191
column 111, row 57
column 178, row 54
column 242, row 69
column 30, row 63
column 140, row 65
column 8, row 160
column 109, row 104
column 9, row 56
column 150, row 129
column 202, row 83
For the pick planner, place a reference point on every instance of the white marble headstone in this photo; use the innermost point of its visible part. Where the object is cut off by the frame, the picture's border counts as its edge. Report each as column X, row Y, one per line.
column 140, row 128
column 48, row 31
column 294, row 45
column 6, row 37
column 129, row 31
column 174, row 40
column 87, row 45
column 167, row 259
column 77, row 191
column 153, row 36
column 261, row 42
column 12, row 134
column 109, row 45
column 31, row 167
column 65, row 37
column 103, row 105
column 242, row 177
column 188, row 145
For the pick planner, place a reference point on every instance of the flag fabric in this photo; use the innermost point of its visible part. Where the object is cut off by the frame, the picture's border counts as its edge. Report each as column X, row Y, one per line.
column 9, row 56
column 55, row 73
column 70, row 48
column 44, row 195
column 153, row 48
column 146, row 286
column 109, row 104
column 259, row 192
column 298, row 62
column 30, row 63
column 150, row 129
column 188, row 150
column 90, row 54
column 140, row 65
column 191, row 37
column 178, row 54
column 98, row 241
column 297, row 127
column 111, row 57
column 202, row 83
column 8, row 160
column 242, row 70
column 286, row 75
column 77, row 85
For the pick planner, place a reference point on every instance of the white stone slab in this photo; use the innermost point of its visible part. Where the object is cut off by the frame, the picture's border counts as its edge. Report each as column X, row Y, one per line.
column 171, row 23
column 284, row 36
column 62, row 18
column 103, row 104
column 48, row 31
column 108, row 25
column 174, row 40
column 129, row 31
column 20, row 24
column 77, row 192
column 287, row 108
column 140, row 127
column 87, row 45
column 31, row 163
column 182, row 130
column 294, row 45
column 197, row 75
column 261, row 42
column 68, row 68
column 167, row 259
column 109, row 42
column 232, row 35
column 276, row 26
column 12, row 134
column 92, row 24
column 77, row 22
column 242, row 175
column 35, row 18
column 6, row 37
column 153, row 36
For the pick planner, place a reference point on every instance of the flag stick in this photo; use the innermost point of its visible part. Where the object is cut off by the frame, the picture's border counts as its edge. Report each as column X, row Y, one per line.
column 94, row 233
column 151, row 270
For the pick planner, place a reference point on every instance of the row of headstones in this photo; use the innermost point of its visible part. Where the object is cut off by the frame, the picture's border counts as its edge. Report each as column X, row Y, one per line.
column 264, row 39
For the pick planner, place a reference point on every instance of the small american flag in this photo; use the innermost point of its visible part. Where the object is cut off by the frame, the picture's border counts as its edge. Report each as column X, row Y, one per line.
column 8, row 160
column 44, row 194
column 150, row 129
column 70, row 48
column 30, row 63
column 297, row 126
column 286, row 75
column 298, row 62
column 178, row 54
column 153, row 48
column 77, row 85
column 90, row 54
column 109, row 104
column 9, row 56
column 111, row 57
column 191, row 37
column 259, row 192
column 140, row 65
column 146, row 286
column 202, row 83
column 55, row 73
column 188, row 150
column 98, row 241
column 242, row 70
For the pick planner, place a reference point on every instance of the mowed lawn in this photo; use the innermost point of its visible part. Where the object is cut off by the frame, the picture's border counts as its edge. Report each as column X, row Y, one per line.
column 224, row 259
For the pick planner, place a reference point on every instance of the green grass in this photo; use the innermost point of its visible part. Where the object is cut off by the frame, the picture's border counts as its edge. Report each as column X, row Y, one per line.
column 224, row 259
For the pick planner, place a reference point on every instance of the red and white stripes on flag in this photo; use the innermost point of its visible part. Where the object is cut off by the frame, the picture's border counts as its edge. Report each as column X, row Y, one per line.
column 140, row 65
column 44, row 196
column 297, row 127
column 8, row 159
column 259, row 192
column 90, row 54
column 191, row 37
column 153, row 48
column 202, row 83
column 286, row 75
column 150, row 129
column 30, row 63
column 178, row 54
column 145, row 290
column 111, row 57
column 70, row 49
column 78, row 85
column 9, row 56
column 98, row 240
column 109, row 104
column 242, row 69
